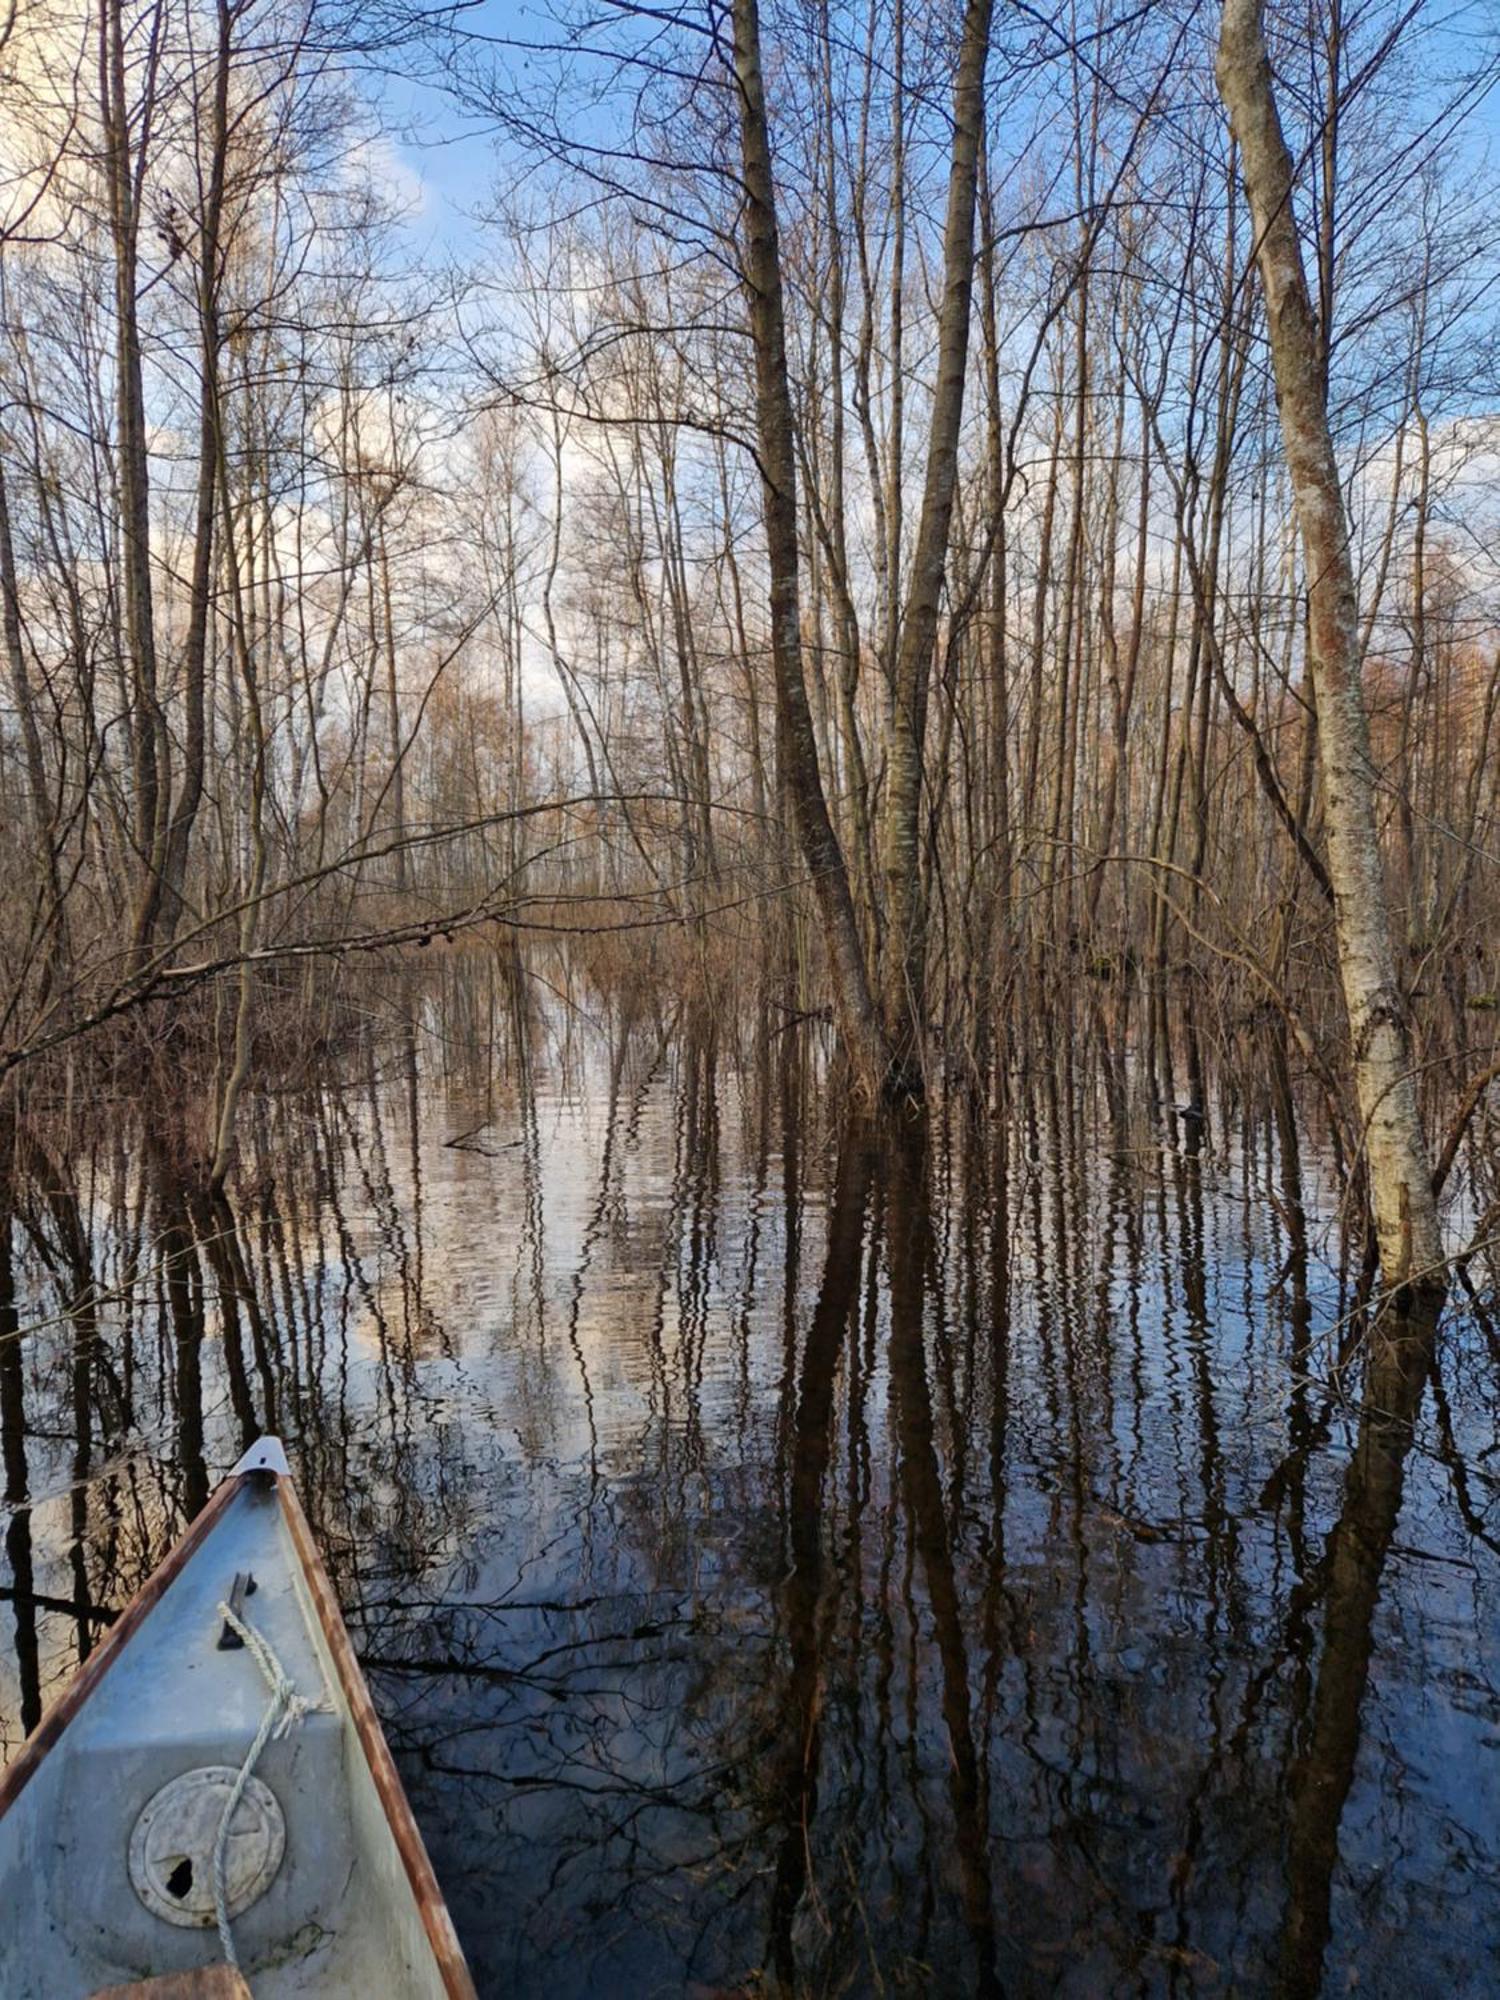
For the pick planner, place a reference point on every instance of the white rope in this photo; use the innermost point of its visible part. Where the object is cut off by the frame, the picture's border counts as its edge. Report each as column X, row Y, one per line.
column 284, row 1711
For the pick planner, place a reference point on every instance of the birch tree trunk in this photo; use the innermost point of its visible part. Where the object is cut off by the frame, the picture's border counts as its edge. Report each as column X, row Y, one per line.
column 1400, row 1171
column 797, row 748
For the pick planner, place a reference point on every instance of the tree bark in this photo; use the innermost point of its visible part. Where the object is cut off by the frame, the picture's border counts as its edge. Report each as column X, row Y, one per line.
column 123, row 172
column 905, row 903
column 184, row 812
column 43, row 816
column 797, row 747
column 1400, row 1170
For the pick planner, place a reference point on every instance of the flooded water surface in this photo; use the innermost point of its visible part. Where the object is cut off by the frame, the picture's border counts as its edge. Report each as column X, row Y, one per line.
column 798, row 1556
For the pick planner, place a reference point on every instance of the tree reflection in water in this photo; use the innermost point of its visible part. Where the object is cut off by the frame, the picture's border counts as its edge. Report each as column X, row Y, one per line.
column 803, row 1554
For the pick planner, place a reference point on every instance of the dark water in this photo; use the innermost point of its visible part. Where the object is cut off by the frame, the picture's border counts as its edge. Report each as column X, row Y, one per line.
column 791, row 1557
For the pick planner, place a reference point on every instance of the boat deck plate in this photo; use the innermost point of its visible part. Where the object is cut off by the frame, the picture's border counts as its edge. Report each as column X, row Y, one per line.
column 172, row 1846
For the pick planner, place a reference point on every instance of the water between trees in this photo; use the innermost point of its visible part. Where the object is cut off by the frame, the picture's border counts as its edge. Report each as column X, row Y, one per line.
column 802, row 1557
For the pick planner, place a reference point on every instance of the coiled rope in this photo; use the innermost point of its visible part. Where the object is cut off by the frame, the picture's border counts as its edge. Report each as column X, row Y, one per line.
column 284, row 1711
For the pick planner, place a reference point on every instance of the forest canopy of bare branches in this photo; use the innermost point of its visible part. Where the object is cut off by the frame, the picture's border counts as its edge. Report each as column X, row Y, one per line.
column 840, row 523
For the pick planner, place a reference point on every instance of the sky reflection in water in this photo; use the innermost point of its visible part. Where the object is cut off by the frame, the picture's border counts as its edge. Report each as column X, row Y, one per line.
column 788, row 1562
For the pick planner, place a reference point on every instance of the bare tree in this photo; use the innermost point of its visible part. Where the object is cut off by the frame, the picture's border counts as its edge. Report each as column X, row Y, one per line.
column 1400, row 1172
column 798, row 758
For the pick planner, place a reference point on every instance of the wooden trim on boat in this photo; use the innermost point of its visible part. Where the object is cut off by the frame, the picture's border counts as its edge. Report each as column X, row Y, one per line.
column 431, row 1907
column 14, row 1780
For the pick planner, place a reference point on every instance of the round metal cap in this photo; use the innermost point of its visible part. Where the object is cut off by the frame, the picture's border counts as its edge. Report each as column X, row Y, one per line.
column 172, row 1846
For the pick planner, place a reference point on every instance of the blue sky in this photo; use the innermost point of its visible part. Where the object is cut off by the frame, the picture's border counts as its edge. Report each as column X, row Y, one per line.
column 452, row 161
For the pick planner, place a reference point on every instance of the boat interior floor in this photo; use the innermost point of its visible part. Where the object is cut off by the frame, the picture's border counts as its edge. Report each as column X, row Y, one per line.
column 106, row 1857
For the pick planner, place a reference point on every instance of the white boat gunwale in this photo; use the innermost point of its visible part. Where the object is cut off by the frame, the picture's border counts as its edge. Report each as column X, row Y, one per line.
column 265, row 1464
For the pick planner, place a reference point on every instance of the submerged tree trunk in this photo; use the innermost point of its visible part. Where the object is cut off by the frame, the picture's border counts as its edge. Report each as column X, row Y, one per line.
column 797, row 746
column 1400, row 1172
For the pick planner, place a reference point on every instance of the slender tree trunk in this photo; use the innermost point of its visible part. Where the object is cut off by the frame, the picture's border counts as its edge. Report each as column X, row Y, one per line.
column 906, row 916
column 996, row 672
column 123, row 171
column 210, row 453
column 796, row 743
column 1400, row 1170
column 43, row 817
column 393, row 706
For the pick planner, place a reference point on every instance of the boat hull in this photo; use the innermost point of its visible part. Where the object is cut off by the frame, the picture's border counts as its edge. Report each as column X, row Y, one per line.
column 339, row 1897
